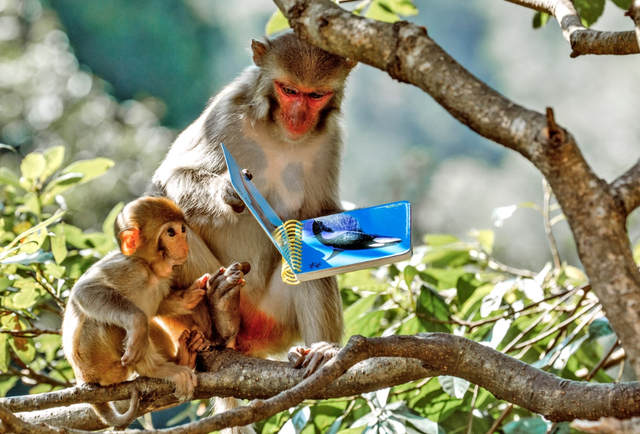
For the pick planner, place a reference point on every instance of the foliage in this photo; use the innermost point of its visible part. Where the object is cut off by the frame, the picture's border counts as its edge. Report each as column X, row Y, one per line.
column 47, row 99
column 382, row 10
column 548, row 319
column 41, row 256
column 589, row 11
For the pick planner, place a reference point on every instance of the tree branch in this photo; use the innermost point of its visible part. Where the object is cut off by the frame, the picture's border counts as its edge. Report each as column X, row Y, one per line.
column 582, row 39
column 407, row 53
column 417, row 357
column 627, row 188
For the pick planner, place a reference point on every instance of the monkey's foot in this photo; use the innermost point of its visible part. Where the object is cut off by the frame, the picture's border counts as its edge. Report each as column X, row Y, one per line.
column 186, row 381
column 311, row 359
column 223, row 293
column 189, row 344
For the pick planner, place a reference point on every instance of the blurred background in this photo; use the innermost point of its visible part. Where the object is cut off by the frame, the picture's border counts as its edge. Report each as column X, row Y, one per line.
column 120, row 79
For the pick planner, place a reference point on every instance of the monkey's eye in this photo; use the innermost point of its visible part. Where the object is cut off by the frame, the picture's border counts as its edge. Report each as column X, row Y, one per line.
column 288, row 91
column 316, row 95
column 184, row 229
column 171, row 232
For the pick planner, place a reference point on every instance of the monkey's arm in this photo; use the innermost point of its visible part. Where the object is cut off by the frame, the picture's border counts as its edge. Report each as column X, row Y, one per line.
column 202, row 192
column 107, row 305
column 182, row 301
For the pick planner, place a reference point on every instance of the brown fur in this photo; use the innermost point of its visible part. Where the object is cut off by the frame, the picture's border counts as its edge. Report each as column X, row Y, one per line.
column 108, row 331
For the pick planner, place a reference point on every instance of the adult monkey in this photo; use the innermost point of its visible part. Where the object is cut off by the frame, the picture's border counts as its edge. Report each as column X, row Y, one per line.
column 281, row 120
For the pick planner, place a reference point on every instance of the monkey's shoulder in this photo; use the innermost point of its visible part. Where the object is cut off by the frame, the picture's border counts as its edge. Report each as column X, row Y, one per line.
column 116, row 271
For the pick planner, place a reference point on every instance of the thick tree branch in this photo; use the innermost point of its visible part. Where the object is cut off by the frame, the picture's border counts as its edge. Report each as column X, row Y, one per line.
column 627, row 188
column 582, row 39
column 416, row 357
column 597, row 218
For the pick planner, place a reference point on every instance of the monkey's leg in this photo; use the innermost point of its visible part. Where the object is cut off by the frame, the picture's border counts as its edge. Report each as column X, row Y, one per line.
column 223, row 294
column 189, row 344
column 319, row 312
column 154, row 365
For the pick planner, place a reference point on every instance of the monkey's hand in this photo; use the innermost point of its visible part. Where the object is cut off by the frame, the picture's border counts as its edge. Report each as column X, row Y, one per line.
column 137, row 342
column 189, row 344
column 223, row 293
column 311, row 359
column 196, row 292
column 230, row 197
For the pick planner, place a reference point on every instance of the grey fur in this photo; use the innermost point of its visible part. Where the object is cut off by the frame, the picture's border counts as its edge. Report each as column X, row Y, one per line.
column 299, row 178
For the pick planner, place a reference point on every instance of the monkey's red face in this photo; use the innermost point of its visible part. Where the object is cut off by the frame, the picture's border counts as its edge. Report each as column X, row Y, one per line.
column 300, row 107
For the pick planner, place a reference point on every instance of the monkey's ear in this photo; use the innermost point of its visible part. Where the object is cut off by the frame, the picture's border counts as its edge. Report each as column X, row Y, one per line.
column 130, row 239
column 259, row 50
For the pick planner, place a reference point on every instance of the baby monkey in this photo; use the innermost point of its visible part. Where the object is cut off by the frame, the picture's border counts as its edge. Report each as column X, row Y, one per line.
column 109, row 332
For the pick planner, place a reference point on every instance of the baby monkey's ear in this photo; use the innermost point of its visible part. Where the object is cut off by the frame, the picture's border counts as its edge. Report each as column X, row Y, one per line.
column 130, row 239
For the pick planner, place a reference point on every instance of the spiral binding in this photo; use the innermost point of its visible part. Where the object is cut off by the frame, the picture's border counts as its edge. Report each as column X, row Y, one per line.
column 289, row 236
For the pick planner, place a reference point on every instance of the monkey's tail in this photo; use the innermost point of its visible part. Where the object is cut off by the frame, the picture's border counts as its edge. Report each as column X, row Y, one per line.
column 109, row 415
column 225, row 404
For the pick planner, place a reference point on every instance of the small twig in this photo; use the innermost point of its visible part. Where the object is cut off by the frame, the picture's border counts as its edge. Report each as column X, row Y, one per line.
column 547, row 223
column 496, row 424
column 496, row 265
column 30, row 333
column 539, row 319
column 554, row 133
column 37, row 377
column 560, row 326
column 48, row 287
column 473, row 406
column 601, row 363
column 573, row 312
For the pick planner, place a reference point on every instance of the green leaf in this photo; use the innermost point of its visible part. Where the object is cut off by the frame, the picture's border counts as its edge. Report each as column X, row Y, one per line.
column 359, row 308
column 465, row 286
column 49, row 345
column 561, row 428
column 420, row 423
column 589, row 10
column 33, row 166
column 623, row 4
column 445, row 279
column 401, row 7
column 8, row 177
column 60, row 184
column 381, row 12
column 24, row 348
column 34, row 229
column 358, row 430
column 432, row 306
column 598, row 328
column 540, row 19
column 107, row 226
column 367, row 325
column 411, row 327
column 409, row 273
column 636, row 253
column 454, row 386
column 53, row 157
column 27, row 296
column 6, row 383
column 529, row 425
column 440, row 239
column 486, row 238
column 91, row 169
column 58, row 243
column 39, row 257
column 5, row 359
column 277, row 23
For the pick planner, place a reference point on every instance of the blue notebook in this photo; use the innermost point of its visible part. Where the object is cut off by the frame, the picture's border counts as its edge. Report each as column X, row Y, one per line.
column 333, row 244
